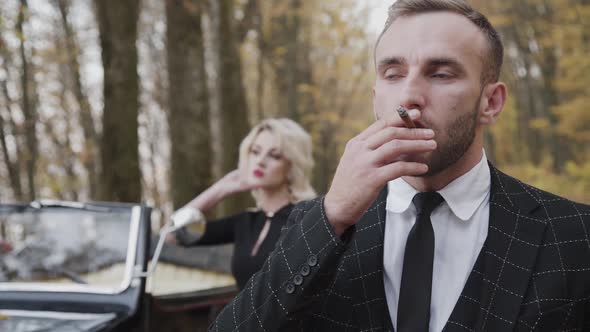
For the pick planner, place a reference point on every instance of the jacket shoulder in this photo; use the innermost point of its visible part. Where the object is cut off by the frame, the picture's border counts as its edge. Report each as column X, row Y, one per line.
column 552, row 204
column 555, row 204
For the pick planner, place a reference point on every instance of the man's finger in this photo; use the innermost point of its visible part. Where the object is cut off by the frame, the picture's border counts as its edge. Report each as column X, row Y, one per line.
column 388, row 134
column 389, row 152
column 389, row 120
column 372, row 129
column 401, row 168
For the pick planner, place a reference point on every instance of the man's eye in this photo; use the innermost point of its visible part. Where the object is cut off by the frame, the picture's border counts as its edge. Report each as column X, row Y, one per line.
column 391, row 74
column 441, row 75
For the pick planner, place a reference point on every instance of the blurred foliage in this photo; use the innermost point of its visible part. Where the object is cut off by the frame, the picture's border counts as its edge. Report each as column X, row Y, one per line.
column 547, row 69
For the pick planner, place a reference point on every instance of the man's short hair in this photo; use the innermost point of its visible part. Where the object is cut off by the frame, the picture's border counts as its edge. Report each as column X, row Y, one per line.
column 492, row 61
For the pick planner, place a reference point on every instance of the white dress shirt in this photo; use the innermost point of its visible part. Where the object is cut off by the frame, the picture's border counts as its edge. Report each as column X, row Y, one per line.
column 460, row 226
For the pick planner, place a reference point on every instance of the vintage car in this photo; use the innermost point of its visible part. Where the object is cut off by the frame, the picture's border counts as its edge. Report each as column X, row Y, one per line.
column 68, row 266
column 73, row 266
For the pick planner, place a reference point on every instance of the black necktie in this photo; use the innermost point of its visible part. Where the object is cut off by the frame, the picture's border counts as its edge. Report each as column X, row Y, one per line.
column 413, row 309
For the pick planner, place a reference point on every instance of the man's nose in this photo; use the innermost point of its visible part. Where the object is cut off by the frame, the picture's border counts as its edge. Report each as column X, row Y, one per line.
column 412, row 93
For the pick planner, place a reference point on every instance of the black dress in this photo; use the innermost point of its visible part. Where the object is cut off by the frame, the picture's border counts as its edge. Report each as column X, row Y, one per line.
column 243, row 230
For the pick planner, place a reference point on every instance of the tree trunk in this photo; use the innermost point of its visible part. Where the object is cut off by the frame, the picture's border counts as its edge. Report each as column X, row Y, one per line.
column 12, row 164
column 232, row 99
column 91, row 157
column 188, row 99
column 557, row 143
column 65, row 157
column 288, row 44
column 120, row 174
column 529, row 146
column 262, row 52
column 292, row 59
column 322, row 174
column 306, row 102
column 28, row 106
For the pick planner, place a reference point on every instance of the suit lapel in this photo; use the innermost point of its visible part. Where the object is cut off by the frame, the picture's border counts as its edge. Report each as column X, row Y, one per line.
column 366, row 260
column 493, row 293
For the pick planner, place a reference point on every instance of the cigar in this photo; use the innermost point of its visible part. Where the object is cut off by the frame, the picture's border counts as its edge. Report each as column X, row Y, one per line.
column 403, row 113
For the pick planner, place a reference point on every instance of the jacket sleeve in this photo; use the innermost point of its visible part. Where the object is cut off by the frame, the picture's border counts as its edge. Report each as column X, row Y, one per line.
column 304, row 261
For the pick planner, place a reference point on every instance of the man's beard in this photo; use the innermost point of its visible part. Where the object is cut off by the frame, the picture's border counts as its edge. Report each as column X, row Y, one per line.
column 460, row 135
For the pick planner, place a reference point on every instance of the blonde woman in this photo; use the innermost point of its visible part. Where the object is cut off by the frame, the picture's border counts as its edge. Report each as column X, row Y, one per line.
column 275, row 163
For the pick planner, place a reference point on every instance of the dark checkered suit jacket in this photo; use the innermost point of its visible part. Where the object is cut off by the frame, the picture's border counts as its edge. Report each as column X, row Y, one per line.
column 533, row 272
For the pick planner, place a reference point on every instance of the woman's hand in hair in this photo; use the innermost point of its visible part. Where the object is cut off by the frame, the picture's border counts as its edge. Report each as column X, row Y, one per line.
column 234, row 182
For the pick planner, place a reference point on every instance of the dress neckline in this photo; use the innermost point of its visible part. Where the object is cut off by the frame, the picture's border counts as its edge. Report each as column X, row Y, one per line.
column 270, row 215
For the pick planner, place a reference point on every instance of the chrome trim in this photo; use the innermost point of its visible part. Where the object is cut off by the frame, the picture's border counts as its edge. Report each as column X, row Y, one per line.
column 59, row 288
column 38, row 204
column 132, row 248
column 41, row 203
column 55, row 314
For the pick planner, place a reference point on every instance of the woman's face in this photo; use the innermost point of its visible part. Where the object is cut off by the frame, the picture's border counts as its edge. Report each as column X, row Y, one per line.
column 267, row 167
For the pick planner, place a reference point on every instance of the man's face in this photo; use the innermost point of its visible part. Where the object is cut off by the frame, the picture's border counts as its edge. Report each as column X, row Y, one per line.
column 433, row 62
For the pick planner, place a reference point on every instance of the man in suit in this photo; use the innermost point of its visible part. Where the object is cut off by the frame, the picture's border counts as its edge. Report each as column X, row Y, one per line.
column 418, row 232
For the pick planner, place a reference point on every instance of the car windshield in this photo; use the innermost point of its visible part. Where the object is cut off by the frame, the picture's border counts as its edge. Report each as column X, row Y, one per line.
column 62, row 246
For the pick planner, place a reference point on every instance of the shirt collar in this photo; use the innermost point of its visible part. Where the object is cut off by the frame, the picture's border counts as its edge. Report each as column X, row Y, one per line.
column 463, row 195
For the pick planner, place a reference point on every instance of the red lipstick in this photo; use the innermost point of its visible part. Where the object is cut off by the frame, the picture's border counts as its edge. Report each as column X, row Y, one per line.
column 258, row 173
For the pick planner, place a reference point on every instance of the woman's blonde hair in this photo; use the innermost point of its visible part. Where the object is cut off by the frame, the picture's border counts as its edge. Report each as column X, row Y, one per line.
column 295, row 146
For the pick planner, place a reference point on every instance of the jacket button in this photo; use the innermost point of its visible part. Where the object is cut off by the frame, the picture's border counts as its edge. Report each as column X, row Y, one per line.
column 304, row 270
column 298, row 279
column 289, row 288
column 312, row 260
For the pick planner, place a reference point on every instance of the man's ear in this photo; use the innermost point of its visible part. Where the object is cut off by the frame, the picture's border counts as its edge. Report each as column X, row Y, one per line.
column 492, row 101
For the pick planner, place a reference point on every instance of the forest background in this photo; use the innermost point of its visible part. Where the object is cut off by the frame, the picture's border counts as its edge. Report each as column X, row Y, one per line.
column 147, row 101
